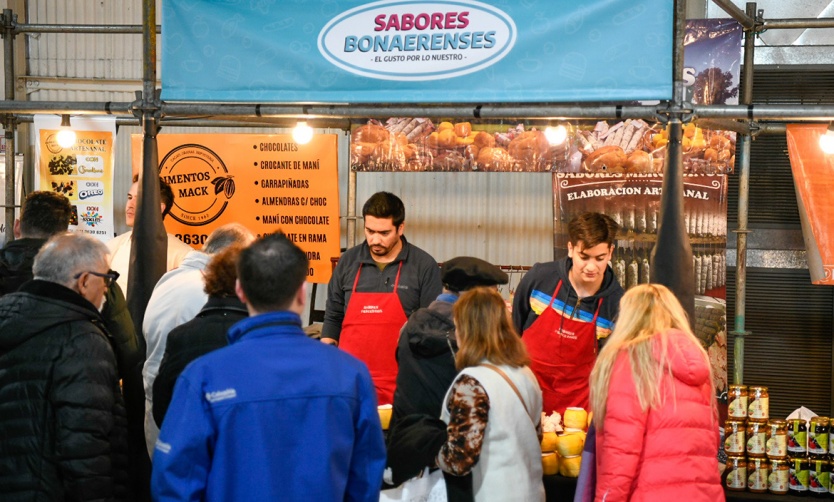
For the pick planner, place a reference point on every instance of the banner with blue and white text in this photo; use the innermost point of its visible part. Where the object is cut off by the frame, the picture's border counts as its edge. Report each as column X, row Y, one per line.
column 398, row 51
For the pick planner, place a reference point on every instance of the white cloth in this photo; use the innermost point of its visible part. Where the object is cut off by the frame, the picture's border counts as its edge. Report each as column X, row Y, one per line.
column 120, row 255
column 176, row 299
column 427, row 487
column 510, row 465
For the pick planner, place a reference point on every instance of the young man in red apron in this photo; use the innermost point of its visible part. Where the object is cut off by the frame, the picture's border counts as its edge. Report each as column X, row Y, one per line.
column 564, row 308
column 375, row 287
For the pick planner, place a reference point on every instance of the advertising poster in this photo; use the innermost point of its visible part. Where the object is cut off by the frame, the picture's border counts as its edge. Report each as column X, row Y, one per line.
column 812, row 169
column 416, row 51
column 83, row 171
column 633, row 201
column 268, row 183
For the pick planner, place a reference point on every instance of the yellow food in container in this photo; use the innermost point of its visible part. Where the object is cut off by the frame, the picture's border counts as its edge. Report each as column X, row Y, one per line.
column 385, row 415
column 575, row 418
column 550, row 464
column 569, row 466
column 571, row 444
column 550, row 441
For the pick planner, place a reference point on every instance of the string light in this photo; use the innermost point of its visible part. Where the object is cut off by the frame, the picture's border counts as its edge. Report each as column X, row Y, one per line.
column 827, row 140
column 66, row 136
column 302, row 133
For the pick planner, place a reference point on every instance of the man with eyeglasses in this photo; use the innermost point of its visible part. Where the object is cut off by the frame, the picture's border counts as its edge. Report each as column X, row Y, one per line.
column 63, row 431
column 45, row 214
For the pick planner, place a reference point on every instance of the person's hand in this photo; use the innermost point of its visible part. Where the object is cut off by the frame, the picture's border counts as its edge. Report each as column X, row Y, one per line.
column 330, row 341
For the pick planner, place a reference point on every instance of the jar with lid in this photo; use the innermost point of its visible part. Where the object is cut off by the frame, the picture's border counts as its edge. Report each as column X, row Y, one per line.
column 797, row 437
column 776, row 437
column 777, row 481
column 736, row 473
column 798, row 472
column 818, row 437
column 819, row 475
column 734, row 437
column 757, row 475
column 759, row 408
column 737, row 408
column 756, row 439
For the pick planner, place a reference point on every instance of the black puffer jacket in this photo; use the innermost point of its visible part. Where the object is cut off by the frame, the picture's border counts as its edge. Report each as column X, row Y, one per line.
column 62, row 418
column 426, row 362
column 16, row 263
column 199, row 336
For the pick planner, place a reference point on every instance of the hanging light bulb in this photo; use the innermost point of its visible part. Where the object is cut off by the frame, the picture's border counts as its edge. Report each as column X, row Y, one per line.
column 556, row 135
column 302, row 133
column 827, row 140
column 66, row 136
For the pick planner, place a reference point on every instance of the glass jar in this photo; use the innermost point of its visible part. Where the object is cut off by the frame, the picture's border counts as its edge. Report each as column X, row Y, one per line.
column 779, row 477
column 798, row 472
column 818, row 437
column 736, row 473
column 737, row 396
column 759, row 408
column 734, row 440
column 776, row 435
column 819, row 473
column 797, row 437
column 757, row 475
column 756, row 439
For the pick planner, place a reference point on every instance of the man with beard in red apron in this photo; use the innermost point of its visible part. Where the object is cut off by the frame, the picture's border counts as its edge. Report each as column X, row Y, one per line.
column 375, row 287
column 564, row 309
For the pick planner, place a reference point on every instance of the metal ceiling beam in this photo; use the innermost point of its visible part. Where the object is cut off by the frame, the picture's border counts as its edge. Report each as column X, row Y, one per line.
column 760, row 112
column 739, row 15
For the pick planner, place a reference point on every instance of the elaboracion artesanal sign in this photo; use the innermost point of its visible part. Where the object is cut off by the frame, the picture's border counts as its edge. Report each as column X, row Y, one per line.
column 268, row 183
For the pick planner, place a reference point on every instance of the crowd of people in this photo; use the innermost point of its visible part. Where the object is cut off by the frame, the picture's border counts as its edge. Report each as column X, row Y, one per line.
column 223, row 396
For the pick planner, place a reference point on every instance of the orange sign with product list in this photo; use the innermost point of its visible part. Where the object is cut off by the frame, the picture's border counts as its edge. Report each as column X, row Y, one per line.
column 268, row 183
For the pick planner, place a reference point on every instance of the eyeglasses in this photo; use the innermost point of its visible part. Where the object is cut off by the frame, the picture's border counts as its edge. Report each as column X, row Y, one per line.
column 109, row 278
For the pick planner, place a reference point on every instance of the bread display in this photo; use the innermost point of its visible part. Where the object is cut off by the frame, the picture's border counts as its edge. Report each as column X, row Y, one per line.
column 627, row 146
column 417, row 144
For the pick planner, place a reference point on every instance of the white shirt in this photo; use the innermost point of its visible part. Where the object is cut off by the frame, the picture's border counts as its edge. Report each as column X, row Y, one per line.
column 120, row 255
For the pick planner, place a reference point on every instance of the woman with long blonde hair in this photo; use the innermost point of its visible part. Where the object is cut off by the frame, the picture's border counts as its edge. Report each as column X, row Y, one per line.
column 493, row 408
column 654, row 405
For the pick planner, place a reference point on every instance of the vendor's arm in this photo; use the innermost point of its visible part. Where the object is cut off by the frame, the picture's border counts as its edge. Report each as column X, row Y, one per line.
column 468, row 406
column 430, row 284
column 334, row 310
column 620, row 441
column 521, row 301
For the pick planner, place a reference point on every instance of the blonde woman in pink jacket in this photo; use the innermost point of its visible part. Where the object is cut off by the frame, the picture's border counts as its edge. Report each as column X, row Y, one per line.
column 654, row 406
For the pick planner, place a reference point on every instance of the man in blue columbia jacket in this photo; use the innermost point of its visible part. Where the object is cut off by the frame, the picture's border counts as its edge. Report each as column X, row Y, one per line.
column 275, row 415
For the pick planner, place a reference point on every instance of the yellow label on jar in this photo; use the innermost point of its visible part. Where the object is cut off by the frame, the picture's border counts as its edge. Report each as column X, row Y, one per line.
column 734, row 443
column 759, row 409
column 756, row 444
column 737, row 478
column 777, row 446
column 738, row 407
column 777, row 481
column 757, row 481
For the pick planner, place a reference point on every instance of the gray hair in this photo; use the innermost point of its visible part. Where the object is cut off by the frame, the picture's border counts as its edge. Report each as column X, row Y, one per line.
column 67, row 254
column 226, row 235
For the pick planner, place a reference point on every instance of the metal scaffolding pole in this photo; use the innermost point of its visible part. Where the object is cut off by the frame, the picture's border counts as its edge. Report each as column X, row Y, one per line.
column 10, row 125
column 746, row 98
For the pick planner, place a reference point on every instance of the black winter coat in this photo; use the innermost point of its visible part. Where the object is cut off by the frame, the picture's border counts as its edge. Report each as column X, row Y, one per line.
column 16, row 263
column 62, row 417
column 199, row 336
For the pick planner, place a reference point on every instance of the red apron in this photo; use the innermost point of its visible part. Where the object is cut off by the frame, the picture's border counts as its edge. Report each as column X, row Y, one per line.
column 370, row 331
column 562, row 351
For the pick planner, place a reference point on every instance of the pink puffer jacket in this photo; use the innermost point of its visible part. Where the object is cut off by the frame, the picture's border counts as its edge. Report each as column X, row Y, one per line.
column 668, row 453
